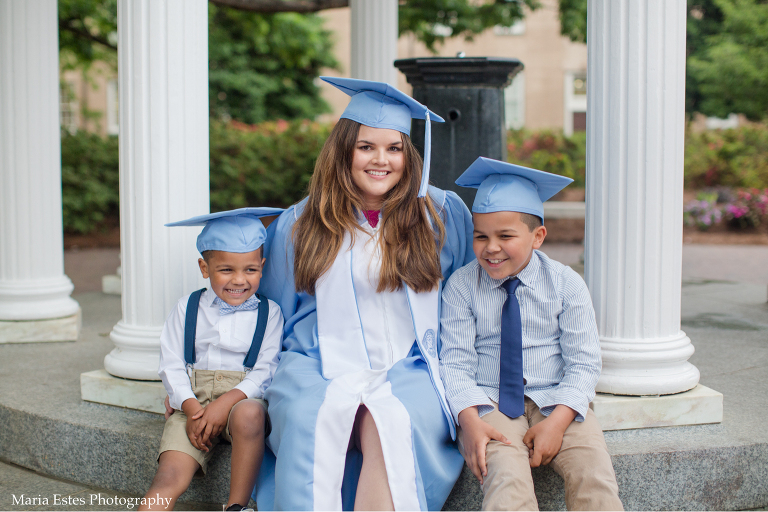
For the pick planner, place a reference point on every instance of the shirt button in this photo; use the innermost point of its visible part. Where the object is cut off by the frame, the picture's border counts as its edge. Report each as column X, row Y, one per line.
column 218, row 377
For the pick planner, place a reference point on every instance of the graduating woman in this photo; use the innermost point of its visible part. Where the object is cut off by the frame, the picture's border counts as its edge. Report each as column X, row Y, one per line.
column 358, row 410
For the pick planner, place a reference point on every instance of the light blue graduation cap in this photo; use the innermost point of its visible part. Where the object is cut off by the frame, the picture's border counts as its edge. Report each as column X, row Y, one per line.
column 380, row 105
column 505, row 187
column 237, row 231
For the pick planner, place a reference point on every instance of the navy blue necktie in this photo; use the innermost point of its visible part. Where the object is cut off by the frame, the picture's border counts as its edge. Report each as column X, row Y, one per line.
column 511, row 382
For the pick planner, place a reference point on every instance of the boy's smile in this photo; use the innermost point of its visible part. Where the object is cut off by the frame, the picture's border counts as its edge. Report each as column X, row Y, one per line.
column 234, row 276
column 503, row 243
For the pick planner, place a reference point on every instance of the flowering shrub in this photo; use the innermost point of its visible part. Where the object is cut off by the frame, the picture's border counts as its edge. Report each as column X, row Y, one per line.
column 703, row 212
column 740, row 209
column 550, row 151
column 749, row 209
column 731, row 158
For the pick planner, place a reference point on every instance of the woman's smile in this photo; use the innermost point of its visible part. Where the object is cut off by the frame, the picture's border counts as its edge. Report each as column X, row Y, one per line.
column 377, row 164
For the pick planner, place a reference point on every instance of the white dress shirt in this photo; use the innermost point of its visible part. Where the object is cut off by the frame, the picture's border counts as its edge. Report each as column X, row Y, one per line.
column 221, row 343
column 561, row 349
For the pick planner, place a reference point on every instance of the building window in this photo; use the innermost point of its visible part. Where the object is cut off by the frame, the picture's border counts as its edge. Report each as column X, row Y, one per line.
column 575, row 118
column 113, row 111
column 68, row 109
column 516, row 29
column 514, row 103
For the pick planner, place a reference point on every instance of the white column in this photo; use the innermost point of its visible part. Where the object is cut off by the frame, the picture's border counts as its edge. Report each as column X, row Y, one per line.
column 163, row 77
column 374, row 40
column 633, row 253
column 35, row 302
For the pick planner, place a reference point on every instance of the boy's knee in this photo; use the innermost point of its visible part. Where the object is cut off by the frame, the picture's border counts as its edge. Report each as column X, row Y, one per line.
column 173, row 475
column 247, row 420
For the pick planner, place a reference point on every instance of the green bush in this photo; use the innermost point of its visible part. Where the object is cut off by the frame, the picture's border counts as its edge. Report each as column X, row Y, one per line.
column 730, row 158
column 89, row 181
column 550, row 151
column 268, row 164
column 727, row 158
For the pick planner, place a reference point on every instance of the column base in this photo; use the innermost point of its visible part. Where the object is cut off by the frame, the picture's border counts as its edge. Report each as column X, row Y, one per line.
column 112, row 285
column 100, row 387
column 41, row 331
column 136, row 354
column 698, row 406
column 647, row 367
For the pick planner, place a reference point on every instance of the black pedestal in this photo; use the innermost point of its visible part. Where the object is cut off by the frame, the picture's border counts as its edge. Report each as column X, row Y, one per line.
column 469, row 94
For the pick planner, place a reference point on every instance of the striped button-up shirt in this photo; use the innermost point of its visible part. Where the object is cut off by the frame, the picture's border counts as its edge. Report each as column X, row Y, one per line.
column 561, row 349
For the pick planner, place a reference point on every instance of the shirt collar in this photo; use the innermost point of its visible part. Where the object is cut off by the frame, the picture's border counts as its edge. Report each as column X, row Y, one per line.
column 527, row 276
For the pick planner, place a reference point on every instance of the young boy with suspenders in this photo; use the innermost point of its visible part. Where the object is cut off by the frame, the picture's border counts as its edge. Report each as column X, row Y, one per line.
column 218, row 352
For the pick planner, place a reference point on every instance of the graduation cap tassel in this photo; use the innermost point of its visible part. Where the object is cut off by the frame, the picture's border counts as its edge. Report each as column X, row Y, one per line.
column 427, row 156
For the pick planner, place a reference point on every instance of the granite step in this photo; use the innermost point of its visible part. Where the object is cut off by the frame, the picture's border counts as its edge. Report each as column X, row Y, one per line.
column 46, row 427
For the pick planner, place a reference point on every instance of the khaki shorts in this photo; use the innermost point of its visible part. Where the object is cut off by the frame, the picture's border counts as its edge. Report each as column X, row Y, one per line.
column 208, row 385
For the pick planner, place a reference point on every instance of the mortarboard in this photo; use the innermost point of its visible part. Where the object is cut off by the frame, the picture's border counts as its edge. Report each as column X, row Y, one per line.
column 380, row 105
column 237, row 231
column 505, row 187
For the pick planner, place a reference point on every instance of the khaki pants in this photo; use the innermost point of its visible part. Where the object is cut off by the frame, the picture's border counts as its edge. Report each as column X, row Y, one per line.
column 583, row 462
column 208, row 385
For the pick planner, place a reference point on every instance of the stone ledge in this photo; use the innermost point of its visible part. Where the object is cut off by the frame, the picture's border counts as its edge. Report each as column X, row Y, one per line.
column 684, row 468
column 698, row 406
column 565, row 210
column 101, row 387
column 41, row 331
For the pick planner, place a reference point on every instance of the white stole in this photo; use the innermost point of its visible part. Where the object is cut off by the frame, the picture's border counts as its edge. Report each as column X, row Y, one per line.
column 340, row 330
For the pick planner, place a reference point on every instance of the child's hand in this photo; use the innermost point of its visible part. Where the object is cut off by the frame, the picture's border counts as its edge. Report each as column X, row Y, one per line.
column 545, row 439
column 212, row 420
column 168, row 409
column 476, row 435
column 191, row 407
column 193, row 426
column 215, row 415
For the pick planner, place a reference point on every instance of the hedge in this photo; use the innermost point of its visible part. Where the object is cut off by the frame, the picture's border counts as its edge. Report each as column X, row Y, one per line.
column 270, row 164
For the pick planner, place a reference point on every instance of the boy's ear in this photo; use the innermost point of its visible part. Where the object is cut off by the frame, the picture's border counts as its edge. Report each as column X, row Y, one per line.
column 203, row 267
column 538, row 236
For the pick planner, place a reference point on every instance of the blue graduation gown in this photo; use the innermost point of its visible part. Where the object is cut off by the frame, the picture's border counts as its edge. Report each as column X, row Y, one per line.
column 308, row 411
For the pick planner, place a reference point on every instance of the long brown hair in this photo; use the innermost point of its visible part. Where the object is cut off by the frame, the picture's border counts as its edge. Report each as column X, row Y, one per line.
column 411, row 230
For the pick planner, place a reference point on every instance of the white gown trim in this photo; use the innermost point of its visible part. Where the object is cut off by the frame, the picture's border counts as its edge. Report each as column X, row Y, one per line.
column 333, row 429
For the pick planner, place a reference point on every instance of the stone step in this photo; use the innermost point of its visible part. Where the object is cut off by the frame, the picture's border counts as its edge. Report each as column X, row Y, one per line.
column 46, row 426
column 116, row 449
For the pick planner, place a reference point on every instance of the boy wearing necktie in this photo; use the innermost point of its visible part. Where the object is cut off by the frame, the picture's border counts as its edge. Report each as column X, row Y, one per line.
column 520, row 353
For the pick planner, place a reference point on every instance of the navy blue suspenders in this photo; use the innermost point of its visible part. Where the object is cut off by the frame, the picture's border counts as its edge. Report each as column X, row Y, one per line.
column 190, row 329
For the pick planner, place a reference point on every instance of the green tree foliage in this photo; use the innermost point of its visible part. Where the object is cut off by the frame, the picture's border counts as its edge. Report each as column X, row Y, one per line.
column 263, row 66
column 87, row 33
column 727, row 46
column 428, row 19
column 573, row 19
column 89, row 181
column 729, row 71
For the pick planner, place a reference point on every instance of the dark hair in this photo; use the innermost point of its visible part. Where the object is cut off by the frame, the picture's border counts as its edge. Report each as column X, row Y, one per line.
column 207, row 254
column 532, row 221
